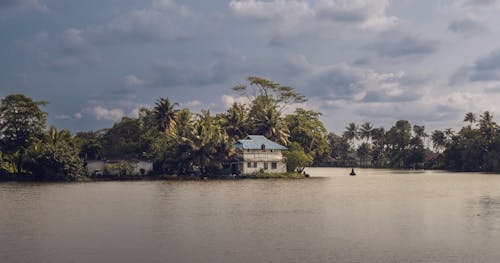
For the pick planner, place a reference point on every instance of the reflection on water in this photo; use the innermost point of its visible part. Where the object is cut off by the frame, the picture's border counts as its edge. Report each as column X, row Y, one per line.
column 376, row 216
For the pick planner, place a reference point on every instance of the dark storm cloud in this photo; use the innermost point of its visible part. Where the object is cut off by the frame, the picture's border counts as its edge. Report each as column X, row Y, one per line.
column 35, row 4
column 225, row 66
column 402, row 45
column 485, row 68
column 467, row 27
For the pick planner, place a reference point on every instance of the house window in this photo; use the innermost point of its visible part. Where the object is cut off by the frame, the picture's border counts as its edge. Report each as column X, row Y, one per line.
column 255, row 165
column 266, row 166
column 274, row 166
column 249, row 165
column 263, row 147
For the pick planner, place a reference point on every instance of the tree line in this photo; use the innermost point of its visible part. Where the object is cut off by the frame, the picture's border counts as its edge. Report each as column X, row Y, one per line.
column 176, row 139
column 182, row 142
column 476, row 147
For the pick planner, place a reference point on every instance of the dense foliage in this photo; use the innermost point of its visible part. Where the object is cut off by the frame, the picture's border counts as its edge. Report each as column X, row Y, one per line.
column 185, row 143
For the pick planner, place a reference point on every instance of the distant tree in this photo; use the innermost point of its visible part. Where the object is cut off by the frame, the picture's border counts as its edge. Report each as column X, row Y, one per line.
column 21, row 123
column 352, row 132
column 340, row 148
column 364, row 152
column 438, row 140
column 398, row 142
column 366, row 131
column 57, row 161
column 470, row 118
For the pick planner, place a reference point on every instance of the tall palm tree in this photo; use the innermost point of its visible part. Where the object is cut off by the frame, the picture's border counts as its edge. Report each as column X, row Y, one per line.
column 486, row 120
column 471, row 118
column 366, row 131
column 352, row 132
column 438, row 140
column 164, row 113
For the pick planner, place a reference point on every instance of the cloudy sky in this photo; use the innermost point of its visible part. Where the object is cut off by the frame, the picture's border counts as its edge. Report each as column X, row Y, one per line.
column 427, row 61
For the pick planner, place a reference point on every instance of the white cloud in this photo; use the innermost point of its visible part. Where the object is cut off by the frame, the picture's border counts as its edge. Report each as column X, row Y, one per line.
column 102, row 113
column 364, row 14
column 193, row 103
column 133, row 81
column 229, row 100
column 161, row 21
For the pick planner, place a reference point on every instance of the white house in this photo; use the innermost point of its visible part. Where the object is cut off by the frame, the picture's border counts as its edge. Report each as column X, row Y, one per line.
column 256, row 154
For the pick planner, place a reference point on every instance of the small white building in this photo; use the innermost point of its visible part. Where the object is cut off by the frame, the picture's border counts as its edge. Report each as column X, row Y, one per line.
column 257, row 154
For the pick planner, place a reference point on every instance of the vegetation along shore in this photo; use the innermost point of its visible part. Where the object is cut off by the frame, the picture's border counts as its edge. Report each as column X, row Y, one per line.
column 181, row 144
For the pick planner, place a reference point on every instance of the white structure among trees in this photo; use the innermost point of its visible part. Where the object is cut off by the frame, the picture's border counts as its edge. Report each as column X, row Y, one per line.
column 257, row 154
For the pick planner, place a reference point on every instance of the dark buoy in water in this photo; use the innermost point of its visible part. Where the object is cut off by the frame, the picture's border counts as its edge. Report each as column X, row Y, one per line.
column 352, row 172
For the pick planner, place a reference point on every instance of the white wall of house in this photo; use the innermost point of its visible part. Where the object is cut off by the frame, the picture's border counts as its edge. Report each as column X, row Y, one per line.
column 270, row 161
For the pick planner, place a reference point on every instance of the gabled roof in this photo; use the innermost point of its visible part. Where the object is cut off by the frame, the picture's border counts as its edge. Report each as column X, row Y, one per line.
column 255, row 142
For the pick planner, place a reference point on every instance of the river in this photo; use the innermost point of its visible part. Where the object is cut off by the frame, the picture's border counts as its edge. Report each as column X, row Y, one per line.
column 376, row 216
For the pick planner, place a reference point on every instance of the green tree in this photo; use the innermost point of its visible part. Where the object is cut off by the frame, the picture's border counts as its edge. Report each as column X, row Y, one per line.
column 340, row 148
column 296, row 158
column 398, row 142
column 364, row 151
column 307, row 129
column 235, row 121
column 57, row 161
column 21, row 123
column 273, row 94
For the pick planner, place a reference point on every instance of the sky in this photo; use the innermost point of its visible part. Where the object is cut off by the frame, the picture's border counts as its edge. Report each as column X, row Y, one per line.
column 95, row 61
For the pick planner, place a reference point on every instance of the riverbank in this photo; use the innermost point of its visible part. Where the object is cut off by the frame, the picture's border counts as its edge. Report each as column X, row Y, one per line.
column 31, row 178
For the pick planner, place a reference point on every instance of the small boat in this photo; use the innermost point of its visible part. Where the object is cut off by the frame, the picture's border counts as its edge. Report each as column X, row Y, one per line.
column 352, row 172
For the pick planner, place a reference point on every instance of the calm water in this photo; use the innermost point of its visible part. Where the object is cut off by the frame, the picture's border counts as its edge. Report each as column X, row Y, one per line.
column 377, row 216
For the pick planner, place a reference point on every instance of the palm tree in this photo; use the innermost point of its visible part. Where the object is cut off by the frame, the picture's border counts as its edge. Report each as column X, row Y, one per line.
column 486, row 120
column 235, row 121
column 351, row 132
column 471, row 118
column 164, row 113
column 438, row 140
column 270, row 124
column 366, row 131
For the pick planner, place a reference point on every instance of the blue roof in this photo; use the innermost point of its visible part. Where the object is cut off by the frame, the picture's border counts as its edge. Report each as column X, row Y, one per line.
column 255, row 142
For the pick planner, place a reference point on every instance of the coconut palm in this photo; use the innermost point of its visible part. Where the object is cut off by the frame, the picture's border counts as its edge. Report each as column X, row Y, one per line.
column 164, row 113
column 471, row 118
column 235, row 121
column 366, row 131
column 438, row 140
column 352, row 132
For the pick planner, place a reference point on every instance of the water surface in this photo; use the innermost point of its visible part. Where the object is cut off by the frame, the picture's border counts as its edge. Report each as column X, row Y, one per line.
column 377, row 216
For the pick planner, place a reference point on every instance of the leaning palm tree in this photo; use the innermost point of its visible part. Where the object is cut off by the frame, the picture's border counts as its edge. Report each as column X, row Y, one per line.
column 164, row 113
column 352, row 132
